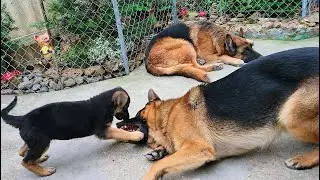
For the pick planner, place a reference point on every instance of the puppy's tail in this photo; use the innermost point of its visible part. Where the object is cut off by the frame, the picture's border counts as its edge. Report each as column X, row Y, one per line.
column 14, row 121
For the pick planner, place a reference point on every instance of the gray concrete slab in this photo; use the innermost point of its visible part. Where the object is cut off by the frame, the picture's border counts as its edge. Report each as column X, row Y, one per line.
column 86, row 158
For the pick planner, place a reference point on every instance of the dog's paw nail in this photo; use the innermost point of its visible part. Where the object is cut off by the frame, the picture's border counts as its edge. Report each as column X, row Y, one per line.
column 218, row 67
column 149, row 157
column 51, row 170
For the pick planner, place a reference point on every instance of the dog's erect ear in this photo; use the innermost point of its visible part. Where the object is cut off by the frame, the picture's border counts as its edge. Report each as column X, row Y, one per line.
column 230, row 45
column 241, row 33
column 152, row 95
column 119, row 98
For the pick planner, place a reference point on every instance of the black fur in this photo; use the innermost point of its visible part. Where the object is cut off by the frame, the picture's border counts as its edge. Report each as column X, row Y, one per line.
column 252, row 95
column 63, row 121
column 178, row 30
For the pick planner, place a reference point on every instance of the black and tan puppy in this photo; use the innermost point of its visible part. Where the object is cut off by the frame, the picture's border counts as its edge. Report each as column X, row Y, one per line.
column 174, row 51
column 241, row 112
column 67, row 120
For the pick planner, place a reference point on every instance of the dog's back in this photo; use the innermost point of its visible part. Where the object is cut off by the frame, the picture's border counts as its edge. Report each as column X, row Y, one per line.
column 259, row 98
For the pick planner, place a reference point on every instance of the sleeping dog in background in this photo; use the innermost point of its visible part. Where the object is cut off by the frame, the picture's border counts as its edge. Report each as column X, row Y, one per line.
column 174, row 51
column 67, row 120
column 241, row 112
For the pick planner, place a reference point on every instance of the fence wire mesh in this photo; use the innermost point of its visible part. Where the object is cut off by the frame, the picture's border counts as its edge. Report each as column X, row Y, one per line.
column 55, row 44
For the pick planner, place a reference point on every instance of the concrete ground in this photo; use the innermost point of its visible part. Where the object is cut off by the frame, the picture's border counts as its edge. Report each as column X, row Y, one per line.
column 89, row 157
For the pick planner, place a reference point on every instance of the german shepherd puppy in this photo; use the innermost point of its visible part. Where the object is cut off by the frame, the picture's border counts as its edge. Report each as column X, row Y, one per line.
column 67, row 120
column 174, row 51
column 241, row 112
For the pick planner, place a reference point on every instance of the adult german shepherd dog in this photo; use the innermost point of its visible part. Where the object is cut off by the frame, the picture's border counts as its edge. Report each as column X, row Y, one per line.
column 241, row 112
column 174, row 51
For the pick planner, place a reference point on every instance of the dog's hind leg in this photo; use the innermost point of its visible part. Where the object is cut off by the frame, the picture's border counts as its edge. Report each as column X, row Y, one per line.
column 23, row 150
column 300, row 117
column 190, row 156
column 37, row 144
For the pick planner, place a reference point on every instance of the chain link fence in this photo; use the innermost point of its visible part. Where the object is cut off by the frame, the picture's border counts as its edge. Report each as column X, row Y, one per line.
column 49, row 45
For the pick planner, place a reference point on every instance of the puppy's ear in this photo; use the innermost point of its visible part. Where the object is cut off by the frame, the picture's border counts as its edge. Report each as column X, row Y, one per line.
column 241, row 33
column 230, row 45
column 119, row 98
column 152, row 95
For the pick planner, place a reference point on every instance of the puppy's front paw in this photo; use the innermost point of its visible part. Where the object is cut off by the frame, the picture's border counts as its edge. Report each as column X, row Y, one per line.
column 136, row 136
column 156, row 154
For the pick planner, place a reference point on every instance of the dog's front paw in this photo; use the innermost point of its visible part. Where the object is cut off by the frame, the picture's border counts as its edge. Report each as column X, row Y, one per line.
column 239, row 63
column 217, row 66
column 156, row 154
column 298, row 163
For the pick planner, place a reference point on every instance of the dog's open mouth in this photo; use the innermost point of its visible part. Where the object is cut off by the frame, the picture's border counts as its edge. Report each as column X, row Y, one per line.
column 135, row 124
column 129, row 127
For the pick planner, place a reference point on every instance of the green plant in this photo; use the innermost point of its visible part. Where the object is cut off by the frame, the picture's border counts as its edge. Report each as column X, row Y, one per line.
column 8, row 46
column 270, row 8
column 102, row 50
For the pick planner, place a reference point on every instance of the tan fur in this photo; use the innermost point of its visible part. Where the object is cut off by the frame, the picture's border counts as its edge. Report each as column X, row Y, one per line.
column 122, row 135
column 120, row 98
column 170, row 56
column 182, row 127
column 299, row 116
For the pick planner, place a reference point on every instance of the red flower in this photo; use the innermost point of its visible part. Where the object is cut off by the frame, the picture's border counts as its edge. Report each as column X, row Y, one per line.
column 183, row 12
column 202, row 14
column 10, row 75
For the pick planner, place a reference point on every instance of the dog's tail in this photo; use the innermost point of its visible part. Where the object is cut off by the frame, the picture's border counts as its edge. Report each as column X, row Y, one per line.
column 14, row 121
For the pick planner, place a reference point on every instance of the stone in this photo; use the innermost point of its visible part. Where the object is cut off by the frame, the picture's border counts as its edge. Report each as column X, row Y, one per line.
column 55, row 86
column 72, row 72
column 255, row 16
column 94, row 71
column 25, row 79
column 6, row 91
column 79, row 80
column 107, row 77
column 17, row 92
column 25, row 85
column 37, row 80
column 45, row 82
column 4, row 84
column 240, row 15
column 52, row 73
column 36, row 87
column 28, row 91
column 237, row 19
column 69, row 82
column 44, row 89
column 313, row 18
column 267, row 25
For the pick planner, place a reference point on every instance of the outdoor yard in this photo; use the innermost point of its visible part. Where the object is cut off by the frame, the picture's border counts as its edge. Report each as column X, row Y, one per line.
column 90, row 158
column 68, row 50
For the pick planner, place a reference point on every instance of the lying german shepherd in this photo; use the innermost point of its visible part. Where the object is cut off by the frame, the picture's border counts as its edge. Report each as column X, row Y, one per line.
column 68, row 120
column 241, row 112
column 174, row 51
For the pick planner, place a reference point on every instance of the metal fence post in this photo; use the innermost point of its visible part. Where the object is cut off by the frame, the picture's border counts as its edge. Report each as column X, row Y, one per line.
column 174, row 11
column 120, row 35
column 304, row 8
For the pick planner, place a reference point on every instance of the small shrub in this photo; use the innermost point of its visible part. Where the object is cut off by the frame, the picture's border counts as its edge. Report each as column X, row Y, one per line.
column 8, row 46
